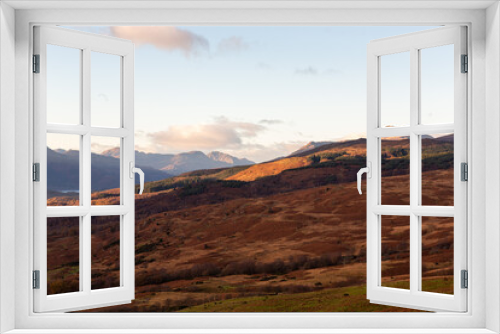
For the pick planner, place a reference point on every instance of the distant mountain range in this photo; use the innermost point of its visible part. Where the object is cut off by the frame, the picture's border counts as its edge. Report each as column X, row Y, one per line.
column 63, row 167
column 63, row 171
column 176, row 164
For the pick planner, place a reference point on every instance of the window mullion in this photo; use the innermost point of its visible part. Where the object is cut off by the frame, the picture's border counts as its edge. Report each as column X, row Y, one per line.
column 85, row 254
column 85, row 151
column 414, row 170
column 86, row 242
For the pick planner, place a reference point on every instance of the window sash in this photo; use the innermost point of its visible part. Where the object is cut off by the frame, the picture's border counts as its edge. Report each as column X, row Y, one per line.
column 86, row 297
column 414, row 298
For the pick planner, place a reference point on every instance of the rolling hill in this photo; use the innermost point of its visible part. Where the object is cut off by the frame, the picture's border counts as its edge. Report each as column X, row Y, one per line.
column 310, row 146
column 280, row 236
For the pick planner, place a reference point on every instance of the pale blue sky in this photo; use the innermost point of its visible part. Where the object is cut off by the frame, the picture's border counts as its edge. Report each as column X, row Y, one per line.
column 255, row 92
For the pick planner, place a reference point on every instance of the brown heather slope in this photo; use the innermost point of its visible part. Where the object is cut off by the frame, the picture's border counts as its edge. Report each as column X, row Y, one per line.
column 298, row 242
column 348, row 148
column 269, row 168
column 312, row 239
column 300, row 232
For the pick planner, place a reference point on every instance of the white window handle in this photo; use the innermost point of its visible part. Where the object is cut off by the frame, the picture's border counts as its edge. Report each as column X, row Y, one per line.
column 139, row 171
column 368, row 171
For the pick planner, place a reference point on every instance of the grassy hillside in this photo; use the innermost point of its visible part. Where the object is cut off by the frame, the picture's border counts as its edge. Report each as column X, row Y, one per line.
column 293, row 241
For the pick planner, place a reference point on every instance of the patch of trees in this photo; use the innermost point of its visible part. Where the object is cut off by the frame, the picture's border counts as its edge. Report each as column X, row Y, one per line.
column 149, row 247
column 314, row 159
column 171, row 184
column 244, row 267
column 332, row 156
column 396, row 166
column 396, row 152
column 443, row 161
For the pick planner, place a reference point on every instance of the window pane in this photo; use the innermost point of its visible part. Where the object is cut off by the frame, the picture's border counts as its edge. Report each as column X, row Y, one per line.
column 395, row 170
column 63, row 255
column 105, row 252
column 437, row 85
column 437, row 254
column 396, row 251
column 105, row 170
column 105, row 90
column 437, row 169
column 63, row 169
column 395, row 90
column 63, row 85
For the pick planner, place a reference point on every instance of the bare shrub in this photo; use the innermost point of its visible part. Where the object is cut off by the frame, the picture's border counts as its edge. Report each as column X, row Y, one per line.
column 246, row 267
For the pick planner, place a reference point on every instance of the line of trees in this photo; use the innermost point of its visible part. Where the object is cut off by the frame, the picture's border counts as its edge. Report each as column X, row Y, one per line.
column 244, row 267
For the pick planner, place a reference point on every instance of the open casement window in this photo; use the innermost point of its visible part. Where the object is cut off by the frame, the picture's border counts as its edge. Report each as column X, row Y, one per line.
column 74, row 74
column 416, row 189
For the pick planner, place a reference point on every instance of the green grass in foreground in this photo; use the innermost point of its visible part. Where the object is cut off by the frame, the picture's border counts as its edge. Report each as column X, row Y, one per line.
column 348, row 299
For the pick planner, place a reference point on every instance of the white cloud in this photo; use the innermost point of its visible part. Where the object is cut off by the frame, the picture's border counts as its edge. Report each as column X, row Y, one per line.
column 220, row 134
column 163, row 37
column 262, row 153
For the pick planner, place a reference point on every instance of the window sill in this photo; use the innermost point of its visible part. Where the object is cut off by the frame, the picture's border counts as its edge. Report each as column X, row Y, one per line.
column 249, row 331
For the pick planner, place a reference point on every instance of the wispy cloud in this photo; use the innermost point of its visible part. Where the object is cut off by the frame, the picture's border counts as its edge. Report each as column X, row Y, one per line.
column 353, row 135
column 332, row 71
column 233, row 44
column 306, row 71
column 164, row 37
column 220, row 134
column 264, row 66
column 103, row 97
column 313, row 71
column 271, row 121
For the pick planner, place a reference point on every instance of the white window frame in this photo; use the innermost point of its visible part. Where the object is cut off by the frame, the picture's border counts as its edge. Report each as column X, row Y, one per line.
column 414, row 297
column 484, row 103
column 87, row 44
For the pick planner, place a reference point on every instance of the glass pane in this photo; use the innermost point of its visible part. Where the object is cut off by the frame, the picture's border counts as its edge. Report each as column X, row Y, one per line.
column 395, row 90
column 395, row 169
column 437, row 254
column 105, row 90
column 63, row 84
column 105, row 252
column 437, row 169
column 396, row 251
column 63, row 255
column 105, row 170
column 63, row 169
column 437, row 85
